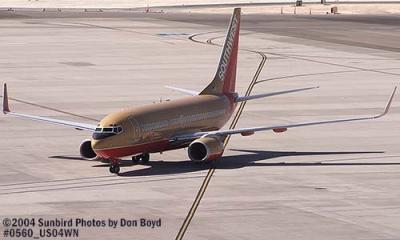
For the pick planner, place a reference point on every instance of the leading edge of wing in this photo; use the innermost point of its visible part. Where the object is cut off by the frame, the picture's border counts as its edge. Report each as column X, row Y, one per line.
column 76, row 125
column 278, row 128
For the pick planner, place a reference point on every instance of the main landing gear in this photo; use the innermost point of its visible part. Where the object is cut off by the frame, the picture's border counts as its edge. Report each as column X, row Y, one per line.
column 114, row 163
column 114, row 167
column 144, row 158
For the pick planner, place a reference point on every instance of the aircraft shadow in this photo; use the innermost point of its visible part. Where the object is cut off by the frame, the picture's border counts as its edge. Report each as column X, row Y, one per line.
column 70, row 158
column 251, row 158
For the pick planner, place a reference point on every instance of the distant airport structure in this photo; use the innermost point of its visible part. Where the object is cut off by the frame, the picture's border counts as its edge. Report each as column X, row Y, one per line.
column 155, row 3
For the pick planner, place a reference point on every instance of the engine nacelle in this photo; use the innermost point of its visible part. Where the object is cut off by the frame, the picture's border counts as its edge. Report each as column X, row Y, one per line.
column 206, row 149
column 86, row 149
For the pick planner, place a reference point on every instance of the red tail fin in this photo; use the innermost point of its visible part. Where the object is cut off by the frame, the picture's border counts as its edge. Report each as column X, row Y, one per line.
column 225, row 78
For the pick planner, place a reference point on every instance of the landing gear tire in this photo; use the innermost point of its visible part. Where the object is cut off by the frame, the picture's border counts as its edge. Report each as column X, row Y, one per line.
column 114, row 166
column 145, row 157
column 114, row 169
column 135, row 159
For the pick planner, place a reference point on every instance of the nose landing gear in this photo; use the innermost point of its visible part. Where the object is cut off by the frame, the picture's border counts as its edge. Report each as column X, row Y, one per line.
column 114, row 163
column 114, row 167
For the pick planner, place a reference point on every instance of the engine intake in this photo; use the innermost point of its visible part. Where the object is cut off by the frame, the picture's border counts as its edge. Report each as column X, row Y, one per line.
column 86, row 149
column 205, row 149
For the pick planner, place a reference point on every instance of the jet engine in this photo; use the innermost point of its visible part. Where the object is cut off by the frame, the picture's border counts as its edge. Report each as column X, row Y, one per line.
column 205, row 149
column 86, row 149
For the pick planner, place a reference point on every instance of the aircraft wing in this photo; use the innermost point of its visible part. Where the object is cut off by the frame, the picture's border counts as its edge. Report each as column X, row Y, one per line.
column 280, row 128
column 76, row 125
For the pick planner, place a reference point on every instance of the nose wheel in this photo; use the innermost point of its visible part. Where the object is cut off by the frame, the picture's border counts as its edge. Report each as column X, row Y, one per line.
column 114, row 167
column 144, row 158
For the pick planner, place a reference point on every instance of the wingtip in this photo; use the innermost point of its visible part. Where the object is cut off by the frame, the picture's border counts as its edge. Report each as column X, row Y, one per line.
column 389, row 103
column 391, row 98
column 6, row 108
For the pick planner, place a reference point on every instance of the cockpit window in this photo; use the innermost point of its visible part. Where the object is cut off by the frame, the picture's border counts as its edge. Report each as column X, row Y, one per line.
column 101, row 133
column 118, row 129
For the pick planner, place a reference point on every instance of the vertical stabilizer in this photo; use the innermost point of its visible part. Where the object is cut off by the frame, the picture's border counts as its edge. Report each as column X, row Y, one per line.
column 225, row 78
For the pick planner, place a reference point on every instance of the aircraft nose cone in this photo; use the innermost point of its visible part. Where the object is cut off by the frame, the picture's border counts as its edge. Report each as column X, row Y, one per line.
column 96, row 144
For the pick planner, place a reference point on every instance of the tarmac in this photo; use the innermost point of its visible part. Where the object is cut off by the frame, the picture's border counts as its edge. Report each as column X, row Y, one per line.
column 322, row 182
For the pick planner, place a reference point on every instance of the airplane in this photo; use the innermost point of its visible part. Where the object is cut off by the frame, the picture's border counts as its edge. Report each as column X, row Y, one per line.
column 194, row 122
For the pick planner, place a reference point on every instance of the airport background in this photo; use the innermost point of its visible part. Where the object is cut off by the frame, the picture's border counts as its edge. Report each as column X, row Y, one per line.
column 334, row 183
column 152, row 3
column 300, row 7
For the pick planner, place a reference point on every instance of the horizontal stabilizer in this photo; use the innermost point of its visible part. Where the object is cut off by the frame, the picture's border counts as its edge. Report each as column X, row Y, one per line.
column 186, row 91
column 246, row 98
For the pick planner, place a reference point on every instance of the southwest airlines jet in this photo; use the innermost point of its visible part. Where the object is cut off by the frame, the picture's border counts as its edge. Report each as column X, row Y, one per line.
column 194, row 121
